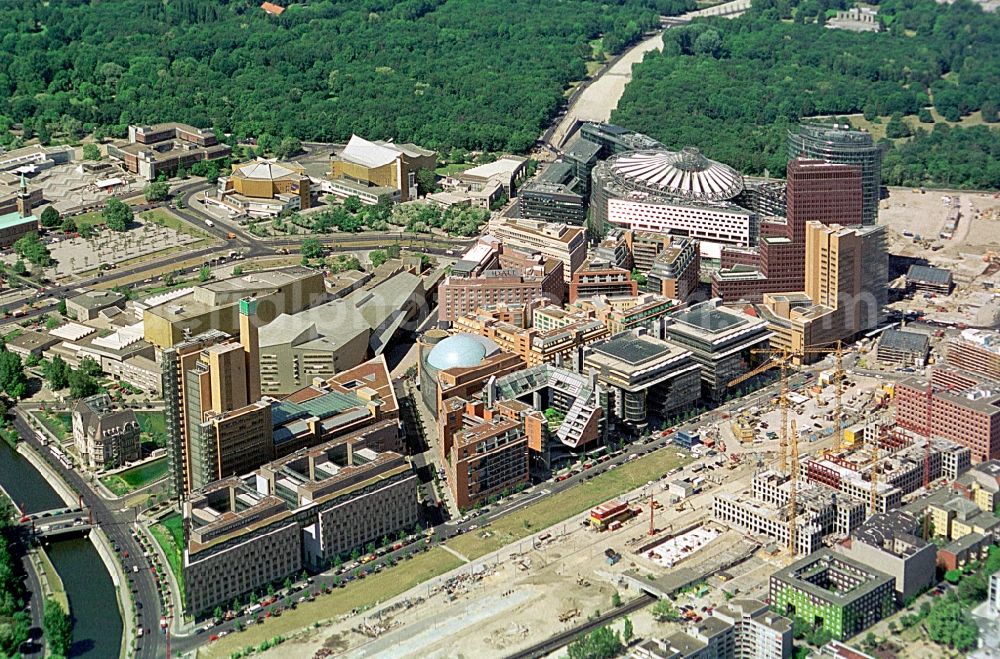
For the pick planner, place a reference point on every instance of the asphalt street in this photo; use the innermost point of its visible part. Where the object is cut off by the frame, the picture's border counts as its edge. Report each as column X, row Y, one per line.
column 116, row 525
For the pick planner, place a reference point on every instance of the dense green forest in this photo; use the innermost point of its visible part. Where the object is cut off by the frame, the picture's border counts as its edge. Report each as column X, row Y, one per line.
column 473, row 74
column 732, row 87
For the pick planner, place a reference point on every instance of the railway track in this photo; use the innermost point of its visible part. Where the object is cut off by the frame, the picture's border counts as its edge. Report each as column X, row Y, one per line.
column 565, row 638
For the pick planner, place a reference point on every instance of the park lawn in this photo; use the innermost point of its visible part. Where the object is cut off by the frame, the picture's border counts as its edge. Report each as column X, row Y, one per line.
column 152, row 422
column 556, row 508
column 169, row 533
column 91, row 219
column 171, row 221
column 54, row 424
column 132, row 479
column 453, row 168
column 376, row 588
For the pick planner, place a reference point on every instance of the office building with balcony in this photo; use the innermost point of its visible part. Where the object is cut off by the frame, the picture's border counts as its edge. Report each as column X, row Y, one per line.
column 564, row 409
column 601, row 278
column 721, row 341
column 550, row 239
column 555, row 195
column 643, row 377
column 300, row 511
column 623, row 313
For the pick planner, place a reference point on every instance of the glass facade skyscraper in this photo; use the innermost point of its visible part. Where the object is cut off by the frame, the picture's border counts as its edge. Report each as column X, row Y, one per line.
column 838, row 143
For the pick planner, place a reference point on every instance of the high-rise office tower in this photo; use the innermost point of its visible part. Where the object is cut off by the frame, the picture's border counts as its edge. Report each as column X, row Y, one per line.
column 836, row 143
column 211, row 386
column 847, row 270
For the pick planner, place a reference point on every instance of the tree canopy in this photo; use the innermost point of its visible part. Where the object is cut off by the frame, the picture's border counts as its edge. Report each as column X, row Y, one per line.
column 732, row 87
column 117, row 215
column 488, row 74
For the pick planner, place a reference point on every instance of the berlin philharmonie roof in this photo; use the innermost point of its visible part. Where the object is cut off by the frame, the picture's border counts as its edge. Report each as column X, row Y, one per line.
column 686, row 174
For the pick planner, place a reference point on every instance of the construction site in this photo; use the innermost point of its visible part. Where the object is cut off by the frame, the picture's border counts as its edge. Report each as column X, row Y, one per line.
column 823, row 457
column 955, row 231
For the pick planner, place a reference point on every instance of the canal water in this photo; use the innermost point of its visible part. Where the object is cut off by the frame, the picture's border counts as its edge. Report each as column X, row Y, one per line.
column 97, row 624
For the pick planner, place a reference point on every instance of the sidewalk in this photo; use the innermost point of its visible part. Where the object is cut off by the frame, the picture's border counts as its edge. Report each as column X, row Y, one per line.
column 179, row 627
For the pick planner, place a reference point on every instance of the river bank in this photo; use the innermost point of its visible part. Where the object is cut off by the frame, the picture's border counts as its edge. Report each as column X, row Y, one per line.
column 87, row 588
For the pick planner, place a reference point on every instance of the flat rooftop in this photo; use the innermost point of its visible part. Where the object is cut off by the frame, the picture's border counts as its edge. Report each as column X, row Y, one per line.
column 632, row 349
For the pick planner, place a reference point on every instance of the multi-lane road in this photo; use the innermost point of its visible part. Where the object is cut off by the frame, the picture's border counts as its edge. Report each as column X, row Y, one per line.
column 117, row 526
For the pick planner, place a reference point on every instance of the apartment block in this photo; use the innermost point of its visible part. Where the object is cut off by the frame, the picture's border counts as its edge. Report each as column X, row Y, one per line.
column 599, row 278
column 958, row 517
column 488, row 452
column 981, row 485
column 843, row 596
column 521, row 279
column 901, row 466
column 106, row 435
column 976, row 351
column 740, row 629
column 557, row 337
column 958, row 406
column 553, row 240
column 764, row 511
column 889, row 542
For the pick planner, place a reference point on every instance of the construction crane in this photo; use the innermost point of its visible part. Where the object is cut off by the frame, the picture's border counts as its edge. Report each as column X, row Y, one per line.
column 782, row 358
column 793, row 437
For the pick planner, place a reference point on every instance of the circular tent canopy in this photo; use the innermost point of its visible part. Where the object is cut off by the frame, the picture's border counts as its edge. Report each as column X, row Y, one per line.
column 687, row 174
column 461, row 351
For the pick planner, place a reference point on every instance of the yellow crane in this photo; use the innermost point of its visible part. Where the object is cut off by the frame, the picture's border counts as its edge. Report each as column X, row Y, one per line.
column 783, row 358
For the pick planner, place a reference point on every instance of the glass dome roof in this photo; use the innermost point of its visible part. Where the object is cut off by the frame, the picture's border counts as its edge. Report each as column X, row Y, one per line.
column 686, row 174
column 461, row 351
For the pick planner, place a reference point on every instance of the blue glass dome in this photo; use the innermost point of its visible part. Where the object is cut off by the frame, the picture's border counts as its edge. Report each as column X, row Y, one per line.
column 461, row 351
